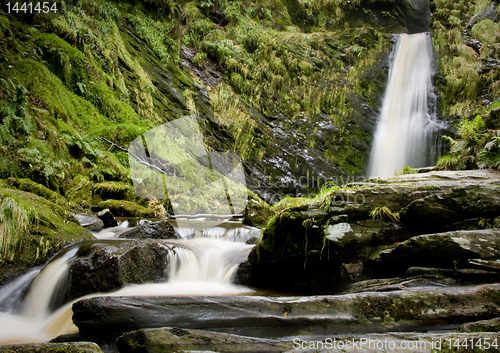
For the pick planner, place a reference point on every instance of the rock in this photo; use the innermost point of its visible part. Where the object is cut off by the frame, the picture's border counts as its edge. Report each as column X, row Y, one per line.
column 460, row 203
column 258, row 212
column 53, row 227
column 102, row 267
column 89, row 221
column 37, row 189
column 113, row 190
column 313, row 244
column 107, row 218
column 437, row 250
column 152, row 230
column 182, row 340
column 79, row 191
column 267, row 317
column 127, row 209
column 465, row 276
column 73, row 347
column 492, row 325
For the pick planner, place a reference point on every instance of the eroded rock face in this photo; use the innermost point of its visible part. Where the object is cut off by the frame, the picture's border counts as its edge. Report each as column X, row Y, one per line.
column 106, row 266
column 152, row 230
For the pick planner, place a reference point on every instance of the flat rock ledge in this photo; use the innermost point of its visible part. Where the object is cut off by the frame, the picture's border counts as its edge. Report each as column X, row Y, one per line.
column 176, row 340
column 409, row 310
column 73, row 347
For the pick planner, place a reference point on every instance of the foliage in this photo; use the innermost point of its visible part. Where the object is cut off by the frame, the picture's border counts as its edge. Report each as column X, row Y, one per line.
column 407, row 170
column 15, row 224
column 384, row 212
column 476, row 147
column 15, row 119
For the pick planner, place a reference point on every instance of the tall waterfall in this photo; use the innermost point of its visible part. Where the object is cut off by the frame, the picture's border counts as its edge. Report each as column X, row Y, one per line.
column 403, row 136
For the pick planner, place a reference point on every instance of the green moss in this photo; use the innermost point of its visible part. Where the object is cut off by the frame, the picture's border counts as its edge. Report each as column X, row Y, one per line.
column 127, row 209
column 37, row 189
column 49, row 228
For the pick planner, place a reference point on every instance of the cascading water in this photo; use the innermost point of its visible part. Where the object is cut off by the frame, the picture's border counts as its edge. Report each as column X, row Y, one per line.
column 203, row 264
column 407, row 125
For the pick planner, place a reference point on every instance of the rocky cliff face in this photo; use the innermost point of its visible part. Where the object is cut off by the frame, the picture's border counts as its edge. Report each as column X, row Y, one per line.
column 293, row 87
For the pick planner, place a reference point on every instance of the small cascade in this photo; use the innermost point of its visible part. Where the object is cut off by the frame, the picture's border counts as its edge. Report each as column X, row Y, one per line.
column 203, row 264
column 407, row 127
column 206, row 260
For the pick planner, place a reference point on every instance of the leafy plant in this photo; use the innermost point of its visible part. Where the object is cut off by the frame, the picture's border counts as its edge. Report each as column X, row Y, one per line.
column 15, row 119
column 476, row 147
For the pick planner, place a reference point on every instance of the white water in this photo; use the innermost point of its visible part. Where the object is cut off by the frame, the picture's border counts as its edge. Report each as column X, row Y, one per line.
column 199, row 266
column 404, row 131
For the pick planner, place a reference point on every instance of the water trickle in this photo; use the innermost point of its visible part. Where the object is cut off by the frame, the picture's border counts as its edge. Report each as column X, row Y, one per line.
column 407, row 126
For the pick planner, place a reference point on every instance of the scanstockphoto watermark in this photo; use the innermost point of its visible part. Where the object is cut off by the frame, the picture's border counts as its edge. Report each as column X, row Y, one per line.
column 370, row 344
column 306, row 186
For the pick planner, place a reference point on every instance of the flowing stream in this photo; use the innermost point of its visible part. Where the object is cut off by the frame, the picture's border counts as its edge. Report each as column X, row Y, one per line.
column 201, row 264
column 408, row 126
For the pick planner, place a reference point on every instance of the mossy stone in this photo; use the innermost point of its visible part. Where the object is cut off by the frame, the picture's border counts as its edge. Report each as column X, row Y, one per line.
column 123, row 208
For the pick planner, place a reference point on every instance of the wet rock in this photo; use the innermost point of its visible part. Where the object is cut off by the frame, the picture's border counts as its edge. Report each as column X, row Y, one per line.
column 73, row 347
column 89, row 221
column 152, row 230
column 107, row 218
column 106, row 266
column 437, row 250
column 268, row 317
column 492, row 325
column 182, row 340
column 460, row 203
column 464, row 276
column 257, row 212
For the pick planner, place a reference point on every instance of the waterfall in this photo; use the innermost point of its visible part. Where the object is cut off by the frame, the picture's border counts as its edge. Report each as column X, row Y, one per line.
column 407, row 124
column 202, row 264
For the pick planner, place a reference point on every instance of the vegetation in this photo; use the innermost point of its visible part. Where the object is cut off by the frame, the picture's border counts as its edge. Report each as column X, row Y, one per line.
column 15, row 223
column 384, row 213
column 475, row 147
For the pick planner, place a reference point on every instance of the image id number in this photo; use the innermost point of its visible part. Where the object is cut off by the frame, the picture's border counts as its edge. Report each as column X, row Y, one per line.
column 34, row 7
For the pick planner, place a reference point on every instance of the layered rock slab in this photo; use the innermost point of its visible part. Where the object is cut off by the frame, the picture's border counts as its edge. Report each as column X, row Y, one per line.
column 416, row 309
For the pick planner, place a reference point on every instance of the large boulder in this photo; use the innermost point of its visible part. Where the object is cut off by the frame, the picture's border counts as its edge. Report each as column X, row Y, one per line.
column 106, row 266
column 152, row 230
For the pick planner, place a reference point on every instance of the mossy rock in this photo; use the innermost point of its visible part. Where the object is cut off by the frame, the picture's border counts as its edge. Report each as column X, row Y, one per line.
column 492, row 325
column 113, row 190
column 37, row 189
column 123, row 208
column 79, row 191
column 51, row 228
column 258, row 212
column 73, row 347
